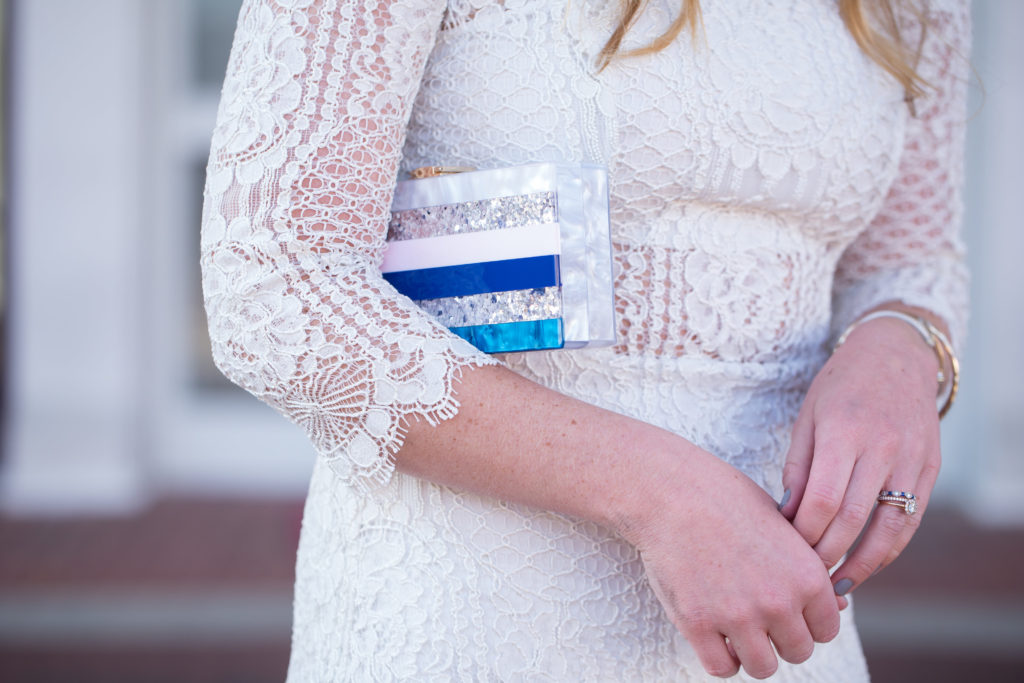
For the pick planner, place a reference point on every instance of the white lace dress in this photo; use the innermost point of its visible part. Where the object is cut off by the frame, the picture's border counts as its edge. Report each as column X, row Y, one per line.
column 768, row 185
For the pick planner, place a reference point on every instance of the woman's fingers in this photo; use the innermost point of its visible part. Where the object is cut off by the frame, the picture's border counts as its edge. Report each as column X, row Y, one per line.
column 798, row 463
column 887, row 535
column 755, row 652
column 855, row 510
column 827, row 486
column 793, row 641
column 716, row 656
column 822, row 617
column 891, row 528
column 749, row 646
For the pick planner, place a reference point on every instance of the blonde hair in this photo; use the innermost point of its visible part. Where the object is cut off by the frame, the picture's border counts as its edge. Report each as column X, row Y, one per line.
column 873, row 27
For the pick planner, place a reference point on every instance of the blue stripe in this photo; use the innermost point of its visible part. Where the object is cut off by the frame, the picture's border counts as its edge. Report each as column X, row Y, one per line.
column 477, row 278
column 528, row 335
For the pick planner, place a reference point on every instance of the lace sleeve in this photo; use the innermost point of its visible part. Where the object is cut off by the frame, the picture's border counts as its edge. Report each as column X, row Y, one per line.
column 299, row 184
column 912, row 250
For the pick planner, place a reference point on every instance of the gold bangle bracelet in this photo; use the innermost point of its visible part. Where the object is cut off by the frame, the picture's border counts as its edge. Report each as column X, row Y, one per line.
column 953, row 375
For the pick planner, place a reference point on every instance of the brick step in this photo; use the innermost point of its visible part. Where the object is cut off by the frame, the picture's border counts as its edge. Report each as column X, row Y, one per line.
column 176, row 542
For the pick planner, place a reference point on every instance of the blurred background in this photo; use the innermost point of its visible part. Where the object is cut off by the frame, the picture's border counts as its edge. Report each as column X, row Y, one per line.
column 149, row 511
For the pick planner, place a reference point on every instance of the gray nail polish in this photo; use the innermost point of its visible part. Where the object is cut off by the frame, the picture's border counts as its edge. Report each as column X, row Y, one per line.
column 843, row 586
column 785, row 499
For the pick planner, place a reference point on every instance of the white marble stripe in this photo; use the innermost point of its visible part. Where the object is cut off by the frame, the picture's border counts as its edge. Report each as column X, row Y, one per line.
column 473, row 247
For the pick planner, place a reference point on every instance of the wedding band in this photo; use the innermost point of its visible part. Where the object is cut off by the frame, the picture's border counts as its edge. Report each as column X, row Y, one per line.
column 901, row 499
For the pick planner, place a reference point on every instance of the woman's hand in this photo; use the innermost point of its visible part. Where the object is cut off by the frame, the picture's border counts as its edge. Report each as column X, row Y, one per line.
column 868, row 423
column 726, row 565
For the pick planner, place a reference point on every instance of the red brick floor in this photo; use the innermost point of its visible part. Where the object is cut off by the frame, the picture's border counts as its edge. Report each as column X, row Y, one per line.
column 219, row 546
column 178, row 542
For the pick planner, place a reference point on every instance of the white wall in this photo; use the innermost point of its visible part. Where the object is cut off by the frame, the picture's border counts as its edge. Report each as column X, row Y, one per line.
column 74, row 242
column 103, row 412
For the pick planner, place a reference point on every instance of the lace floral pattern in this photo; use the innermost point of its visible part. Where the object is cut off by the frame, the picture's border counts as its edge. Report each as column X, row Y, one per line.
column 768, row 185
column 298, row 193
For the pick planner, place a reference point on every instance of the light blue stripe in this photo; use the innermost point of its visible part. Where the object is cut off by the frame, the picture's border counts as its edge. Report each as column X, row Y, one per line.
column 530, row 335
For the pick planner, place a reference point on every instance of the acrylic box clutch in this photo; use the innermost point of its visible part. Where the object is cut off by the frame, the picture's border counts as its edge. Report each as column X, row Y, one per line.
column 510, row 259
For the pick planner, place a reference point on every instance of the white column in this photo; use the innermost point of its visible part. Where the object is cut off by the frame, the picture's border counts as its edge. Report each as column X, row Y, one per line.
column 76, row 290
column 984, row 440
column 200, row 442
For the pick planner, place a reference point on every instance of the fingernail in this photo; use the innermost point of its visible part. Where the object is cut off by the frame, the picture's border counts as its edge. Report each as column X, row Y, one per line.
column 785, row 499
column 843, row 586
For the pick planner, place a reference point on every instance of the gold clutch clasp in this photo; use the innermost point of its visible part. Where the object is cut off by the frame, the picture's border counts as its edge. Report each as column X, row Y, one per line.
column 432, row 171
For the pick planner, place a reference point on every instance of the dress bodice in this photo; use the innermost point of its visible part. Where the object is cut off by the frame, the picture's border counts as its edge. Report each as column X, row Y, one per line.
column 739, row 175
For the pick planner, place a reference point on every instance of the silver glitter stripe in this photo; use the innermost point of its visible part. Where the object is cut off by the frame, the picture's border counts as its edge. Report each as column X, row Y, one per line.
column 485, row 214
column 492, row 308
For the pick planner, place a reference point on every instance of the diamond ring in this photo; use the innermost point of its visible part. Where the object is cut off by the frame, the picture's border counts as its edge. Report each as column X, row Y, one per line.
column 902, row 499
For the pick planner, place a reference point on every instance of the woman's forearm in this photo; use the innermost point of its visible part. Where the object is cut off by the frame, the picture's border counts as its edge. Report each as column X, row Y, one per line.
column 519, row 441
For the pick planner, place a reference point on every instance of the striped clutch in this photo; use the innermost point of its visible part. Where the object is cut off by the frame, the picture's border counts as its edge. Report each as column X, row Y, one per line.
column 510, row 259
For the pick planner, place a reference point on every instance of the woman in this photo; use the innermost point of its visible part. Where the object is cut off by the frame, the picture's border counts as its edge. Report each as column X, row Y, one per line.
column 604, row 514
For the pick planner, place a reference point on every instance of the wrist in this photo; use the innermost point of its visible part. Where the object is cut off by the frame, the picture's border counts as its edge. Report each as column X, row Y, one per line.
column 667, row 476
column 895, row 338
column 905, row 322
